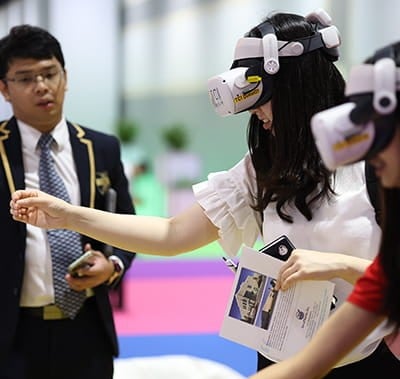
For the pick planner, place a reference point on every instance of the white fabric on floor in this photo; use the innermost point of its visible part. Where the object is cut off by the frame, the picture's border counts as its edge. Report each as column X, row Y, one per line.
column 172, row 366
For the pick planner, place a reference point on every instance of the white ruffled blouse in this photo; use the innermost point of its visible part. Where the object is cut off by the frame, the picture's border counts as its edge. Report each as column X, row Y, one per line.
column 346, row 224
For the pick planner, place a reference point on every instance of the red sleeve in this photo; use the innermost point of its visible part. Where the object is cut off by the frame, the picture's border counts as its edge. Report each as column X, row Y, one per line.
column 368, row 290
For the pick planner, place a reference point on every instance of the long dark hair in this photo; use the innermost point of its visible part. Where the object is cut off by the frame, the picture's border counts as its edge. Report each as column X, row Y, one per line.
column 390, row 252
column 288, row 166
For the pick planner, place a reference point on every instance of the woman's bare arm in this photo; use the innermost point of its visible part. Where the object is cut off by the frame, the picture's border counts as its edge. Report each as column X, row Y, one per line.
column 347, row 327
column 145, row 234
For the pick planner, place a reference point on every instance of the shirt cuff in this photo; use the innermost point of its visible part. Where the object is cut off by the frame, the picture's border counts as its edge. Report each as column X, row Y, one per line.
column 118, row 269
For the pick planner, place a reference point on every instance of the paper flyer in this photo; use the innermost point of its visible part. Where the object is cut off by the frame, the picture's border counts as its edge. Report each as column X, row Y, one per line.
column 275, row 323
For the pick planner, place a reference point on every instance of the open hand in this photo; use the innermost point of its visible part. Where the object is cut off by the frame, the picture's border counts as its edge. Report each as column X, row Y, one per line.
column 39, row 209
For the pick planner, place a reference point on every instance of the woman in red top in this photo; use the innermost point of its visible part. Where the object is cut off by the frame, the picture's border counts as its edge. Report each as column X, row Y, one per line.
column 369, row 291
column 369, row 130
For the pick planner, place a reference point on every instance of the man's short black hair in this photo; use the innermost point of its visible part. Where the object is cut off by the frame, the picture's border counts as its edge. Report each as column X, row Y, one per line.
column 27, row 41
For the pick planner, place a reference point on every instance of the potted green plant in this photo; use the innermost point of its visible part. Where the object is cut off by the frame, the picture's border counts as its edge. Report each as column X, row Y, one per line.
column 175, row 137
column 178, row 168
column 127, row 131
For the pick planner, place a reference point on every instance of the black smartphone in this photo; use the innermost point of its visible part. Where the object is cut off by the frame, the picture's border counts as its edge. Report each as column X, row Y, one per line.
column 79, row 263
column 279, row 248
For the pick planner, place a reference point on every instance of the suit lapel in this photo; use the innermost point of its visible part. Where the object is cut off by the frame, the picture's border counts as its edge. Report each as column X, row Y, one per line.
column 11, row 155
column 82, row 149
column 11, row 159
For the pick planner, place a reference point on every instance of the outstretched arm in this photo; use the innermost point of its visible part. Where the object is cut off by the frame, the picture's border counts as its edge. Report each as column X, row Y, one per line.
column 145, row 234
column 347, row 327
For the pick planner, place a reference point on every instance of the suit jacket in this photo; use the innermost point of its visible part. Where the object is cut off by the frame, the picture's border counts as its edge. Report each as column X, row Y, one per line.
column 98, row 164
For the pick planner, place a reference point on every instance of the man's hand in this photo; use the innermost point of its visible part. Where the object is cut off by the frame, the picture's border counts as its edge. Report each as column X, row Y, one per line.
column 98, row 271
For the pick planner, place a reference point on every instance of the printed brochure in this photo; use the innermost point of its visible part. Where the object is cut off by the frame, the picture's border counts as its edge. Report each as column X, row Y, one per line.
column 275, row 323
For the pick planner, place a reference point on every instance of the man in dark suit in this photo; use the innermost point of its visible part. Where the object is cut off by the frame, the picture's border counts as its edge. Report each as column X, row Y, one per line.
column 37, row 338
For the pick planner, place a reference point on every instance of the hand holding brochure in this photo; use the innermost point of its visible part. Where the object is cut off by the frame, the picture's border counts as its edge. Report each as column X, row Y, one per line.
column 275, row 323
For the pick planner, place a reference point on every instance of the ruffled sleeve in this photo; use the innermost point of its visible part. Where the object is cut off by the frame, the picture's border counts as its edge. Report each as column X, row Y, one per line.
column 226, row 197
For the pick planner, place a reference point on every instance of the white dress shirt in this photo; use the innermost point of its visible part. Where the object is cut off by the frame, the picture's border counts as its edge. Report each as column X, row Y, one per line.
column 37, row 287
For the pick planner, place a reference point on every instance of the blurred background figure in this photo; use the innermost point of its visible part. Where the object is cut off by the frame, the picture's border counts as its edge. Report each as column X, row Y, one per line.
column 149, row 196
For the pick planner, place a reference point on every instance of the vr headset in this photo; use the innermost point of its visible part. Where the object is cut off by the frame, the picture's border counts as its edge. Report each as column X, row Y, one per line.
column 248, row 84
column 364, row 126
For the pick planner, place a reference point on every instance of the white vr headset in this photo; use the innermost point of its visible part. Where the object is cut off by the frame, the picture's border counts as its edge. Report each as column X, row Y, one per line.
column 248, row 86
column 364, row 126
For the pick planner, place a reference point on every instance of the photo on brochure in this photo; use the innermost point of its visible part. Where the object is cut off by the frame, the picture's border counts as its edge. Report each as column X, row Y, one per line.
column 254, row 299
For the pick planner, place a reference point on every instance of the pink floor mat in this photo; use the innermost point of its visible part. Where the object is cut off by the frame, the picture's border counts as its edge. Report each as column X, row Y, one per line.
column 173, row 305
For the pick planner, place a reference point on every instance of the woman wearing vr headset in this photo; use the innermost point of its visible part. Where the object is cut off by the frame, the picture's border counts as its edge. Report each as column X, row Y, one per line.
column 374, row 100
column 283, row 73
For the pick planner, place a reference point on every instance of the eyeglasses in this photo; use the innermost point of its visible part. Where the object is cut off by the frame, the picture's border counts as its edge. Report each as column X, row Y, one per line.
column 50, row 77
